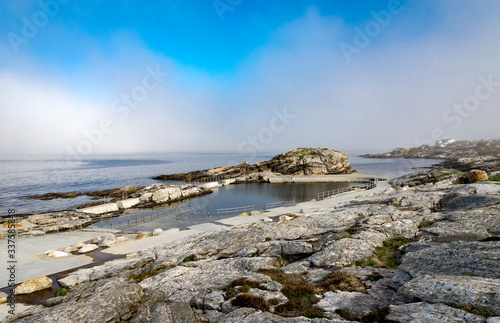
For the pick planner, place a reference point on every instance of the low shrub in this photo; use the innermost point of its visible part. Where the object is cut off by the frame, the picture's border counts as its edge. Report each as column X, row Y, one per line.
column 253, row 301
column 60, row 291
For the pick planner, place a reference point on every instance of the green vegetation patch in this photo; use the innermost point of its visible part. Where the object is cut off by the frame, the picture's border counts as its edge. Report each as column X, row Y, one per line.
column 61, row 291
column 464, row 179
column 494, row 178
column 189, row 258
column 386, row 256
column 281, row 262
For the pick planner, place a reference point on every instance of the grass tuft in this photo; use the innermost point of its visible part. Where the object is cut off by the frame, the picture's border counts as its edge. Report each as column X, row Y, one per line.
column 386, row 256
column 281, row 262
column 61, row 291
column 189, row 258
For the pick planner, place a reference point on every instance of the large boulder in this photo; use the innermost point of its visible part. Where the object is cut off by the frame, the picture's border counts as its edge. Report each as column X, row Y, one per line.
column 476, row 176
column 88, row 248
column 309, row 161
column 107, row 241
column 33, row 285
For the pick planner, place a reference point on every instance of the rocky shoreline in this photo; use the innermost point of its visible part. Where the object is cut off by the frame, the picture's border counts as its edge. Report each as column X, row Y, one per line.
column 466, row 155
column 426, row 253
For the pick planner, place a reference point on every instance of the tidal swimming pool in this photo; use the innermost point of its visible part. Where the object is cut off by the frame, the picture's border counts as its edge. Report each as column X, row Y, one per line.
column 233, row 196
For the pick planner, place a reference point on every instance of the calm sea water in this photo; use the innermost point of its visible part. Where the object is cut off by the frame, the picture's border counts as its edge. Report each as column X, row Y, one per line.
column 22, row 178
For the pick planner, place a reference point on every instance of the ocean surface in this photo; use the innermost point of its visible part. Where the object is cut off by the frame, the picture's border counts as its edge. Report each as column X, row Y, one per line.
column 22, row 178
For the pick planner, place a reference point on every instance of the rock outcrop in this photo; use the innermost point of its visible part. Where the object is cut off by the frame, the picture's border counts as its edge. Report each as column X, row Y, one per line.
column 301, row 161
column 309, row 161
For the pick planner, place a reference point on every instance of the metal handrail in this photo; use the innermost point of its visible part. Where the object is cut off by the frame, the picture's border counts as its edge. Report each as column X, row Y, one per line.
column 324, row 195
column 218, row 178
column 235, row 210
column 273, row 205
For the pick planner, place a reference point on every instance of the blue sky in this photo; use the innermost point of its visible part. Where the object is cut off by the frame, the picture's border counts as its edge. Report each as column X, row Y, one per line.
column 231, row 67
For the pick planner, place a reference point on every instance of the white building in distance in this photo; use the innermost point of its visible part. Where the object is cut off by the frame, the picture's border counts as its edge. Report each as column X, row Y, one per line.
column 444, row 142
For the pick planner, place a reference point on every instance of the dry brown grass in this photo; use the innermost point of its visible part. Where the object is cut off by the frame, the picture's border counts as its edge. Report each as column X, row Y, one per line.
column 339, row 281
column 253, row 301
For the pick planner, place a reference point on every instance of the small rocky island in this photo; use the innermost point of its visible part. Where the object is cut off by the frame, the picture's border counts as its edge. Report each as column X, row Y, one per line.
column 301, row 161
